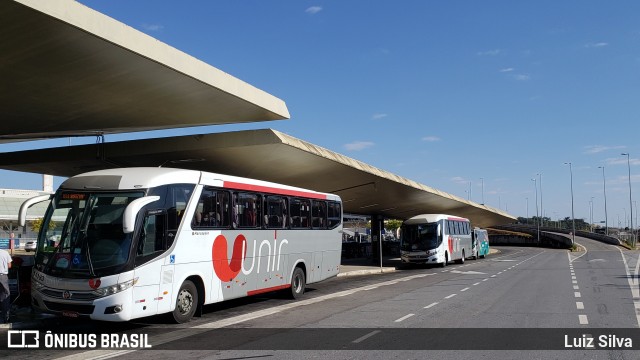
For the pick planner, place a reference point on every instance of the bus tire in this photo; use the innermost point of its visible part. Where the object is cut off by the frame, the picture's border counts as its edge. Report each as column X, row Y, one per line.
column 186, row 303
column 298, row 283
column 446, row 260
column 461, row 261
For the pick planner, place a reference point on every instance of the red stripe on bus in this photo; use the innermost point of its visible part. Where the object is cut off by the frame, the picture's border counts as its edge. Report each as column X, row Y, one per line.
column 268, row 189
column 266, row 290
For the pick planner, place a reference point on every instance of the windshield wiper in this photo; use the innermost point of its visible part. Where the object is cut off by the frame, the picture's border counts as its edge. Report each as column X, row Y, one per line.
column 89, row 263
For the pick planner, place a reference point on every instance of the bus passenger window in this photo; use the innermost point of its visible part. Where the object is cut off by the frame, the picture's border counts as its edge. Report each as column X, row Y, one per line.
column 276, row 212
column 247, row 209
column 335, row 214
column 300, row 211
column 212, row 209
column 318, row 214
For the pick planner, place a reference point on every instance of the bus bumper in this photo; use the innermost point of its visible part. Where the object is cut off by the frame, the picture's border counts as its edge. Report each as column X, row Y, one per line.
column 116, row 307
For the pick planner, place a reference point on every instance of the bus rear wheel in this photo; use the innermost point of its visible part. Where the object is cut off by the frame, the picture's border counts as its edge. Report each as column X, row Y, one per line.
column 186, row 303
column 298, row 283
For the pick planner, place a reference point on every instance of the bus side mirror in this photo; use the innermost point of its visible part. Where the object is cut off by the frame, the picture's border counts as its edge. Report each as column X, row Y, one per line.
column 22, row 214
column 131, row 211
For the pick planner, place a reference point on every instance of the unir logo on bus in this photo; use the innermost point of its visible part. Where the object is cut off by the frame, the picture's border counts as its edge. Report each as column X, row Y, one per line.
column 227, row 269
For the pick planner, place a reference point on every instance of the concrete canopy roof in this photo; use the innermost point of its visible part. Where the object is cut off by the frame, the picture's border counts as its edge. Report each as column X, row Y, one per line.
column 267, row 155
column 69, row 70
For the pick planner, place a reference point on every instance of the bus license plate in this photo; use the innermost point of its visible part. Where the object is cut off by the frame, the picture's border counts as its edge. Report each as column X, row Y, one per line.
column 71, row 314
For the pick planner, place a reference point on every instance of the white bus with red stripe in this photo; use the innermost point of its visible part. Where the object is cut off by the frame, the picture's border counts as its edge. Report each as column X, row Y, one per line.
column 137, row 242
column 435, row 239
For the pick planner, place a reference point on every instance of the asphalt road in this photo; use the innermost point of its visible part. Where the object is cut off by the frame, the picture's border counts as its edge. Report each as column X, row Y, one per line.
column 515, row 304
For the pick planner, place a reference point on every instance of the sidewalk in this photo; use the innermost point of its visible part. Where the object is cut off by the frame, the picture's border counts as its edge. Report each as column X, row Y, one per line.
column 26, row 318
column 365, row 266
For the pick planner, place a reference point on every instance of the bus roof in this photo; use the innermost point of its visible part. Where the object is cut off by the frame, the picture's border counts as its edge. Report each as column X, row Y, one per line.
column 147, row 177
column 431, row 218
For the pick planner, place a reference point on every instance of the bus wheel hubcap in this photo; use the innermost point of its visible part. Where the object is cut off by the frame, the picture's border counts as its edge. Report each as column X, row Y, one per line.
column 185, row 300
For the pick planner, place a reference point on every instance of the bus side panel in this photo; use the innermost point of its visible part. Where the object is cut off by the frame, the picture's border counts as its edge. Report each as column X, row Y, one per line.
column 316, row 273
column 330, row 264
column 146, row 289
column 165, row 293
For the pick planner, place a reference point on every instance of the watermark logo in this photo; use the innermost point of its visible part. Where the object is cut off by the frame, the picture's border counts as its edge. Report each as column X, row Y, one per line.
column 20, row 339
column 23, row 339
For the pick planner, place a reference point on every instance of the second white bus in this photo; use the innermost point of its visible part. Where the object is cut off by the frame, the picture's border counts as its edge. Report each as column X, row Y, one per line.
column 136, row 242
column 435, row 239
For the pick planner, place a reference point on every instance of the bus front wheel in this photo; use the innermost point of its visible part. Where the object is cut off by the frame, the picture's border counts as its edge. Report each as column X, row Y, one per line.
column 186, row 303
column 446, row 260
column 298, row 283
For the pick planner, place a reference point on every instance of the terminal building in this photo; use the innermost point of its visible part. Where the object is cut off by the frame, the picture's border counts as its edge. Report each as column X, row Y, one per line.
column 10, row 201
column 125, row 81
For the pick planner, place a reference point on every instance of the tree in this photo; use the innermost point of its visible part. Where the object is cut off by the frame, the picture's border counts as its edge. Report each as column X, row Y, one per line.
column 36, row 225
column 393, row 225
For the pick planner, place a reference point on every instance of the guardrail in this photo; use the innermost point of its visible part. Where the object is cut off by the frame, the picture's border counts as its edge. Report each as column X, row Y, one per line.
column 550, row 236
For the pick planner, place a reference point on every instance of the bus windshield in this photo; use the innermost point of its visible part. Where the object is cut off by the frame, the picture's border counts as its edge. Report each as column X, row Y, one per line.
column 420, row 237
column 81, row 234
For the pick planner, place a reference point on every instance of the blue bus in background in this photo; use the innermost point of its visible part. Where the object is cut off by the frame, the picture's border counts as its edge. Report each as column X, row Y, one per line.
column 480, row 240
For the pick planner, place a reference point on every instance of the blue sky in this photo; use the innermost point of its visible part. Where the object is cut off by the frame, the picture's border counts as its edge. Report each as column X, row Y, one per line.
column 445, row 93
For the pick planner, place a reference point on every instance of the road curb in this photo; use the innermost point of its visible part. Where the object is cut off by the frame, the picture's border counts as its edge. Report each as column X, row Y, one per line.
column 367, row 272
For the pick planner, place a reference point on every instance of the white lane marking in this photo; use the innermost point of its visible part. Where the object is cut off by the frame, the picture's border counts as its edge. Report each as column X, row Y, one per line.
column 467, row 272
column 96, row 355
column 450, row 296
column 465, row 289
column 281, row 308
column 583, row 319
column 576, row 287
column 579, row 305
column 404, row 317
column 493, row 275
column 431, row 305
column 476, row 284
column 577, row 294
column 365, row 337
column 632, row 279
column 577, row 257
column 573, row 278
column 485, row 279
column 574, row 281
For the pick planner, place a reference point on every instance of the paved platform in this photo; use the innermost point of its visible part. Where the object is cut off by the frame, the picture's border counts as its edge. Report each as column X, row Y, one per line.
column 365, row 266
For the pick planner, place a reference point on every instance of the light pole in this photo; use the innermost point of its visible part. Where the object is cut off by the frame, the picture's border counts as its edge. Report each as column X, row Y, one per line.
column 541, row 209
column 573, row 219
column 535, row 184
column 482, row 179
column 527, row 209
column 635, row 205
column 604, row 190
column 633, row 237
column 591, row 214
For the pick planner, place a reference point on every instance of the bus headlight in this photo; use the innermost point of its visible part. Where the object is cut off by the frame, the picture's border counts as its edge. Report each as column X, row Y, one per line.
column 113, row 289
